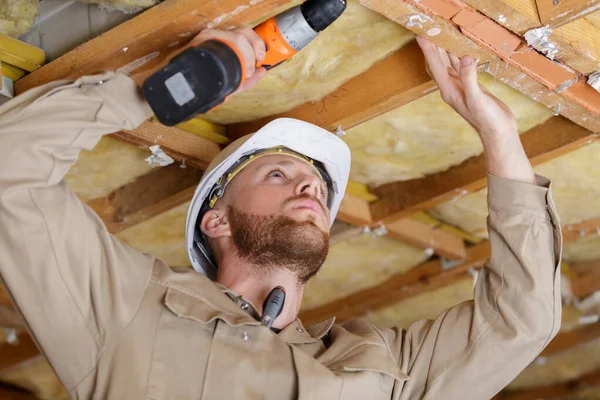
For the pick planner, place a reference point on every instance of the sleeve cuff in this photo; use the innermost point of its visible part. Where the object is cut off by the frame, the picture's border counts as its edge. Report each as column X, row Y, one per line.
column 520, row 197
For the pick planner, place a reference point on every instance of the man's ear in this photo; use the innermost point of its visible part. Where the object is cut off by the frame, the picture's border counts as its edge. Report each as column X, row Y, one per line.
column 214, row 224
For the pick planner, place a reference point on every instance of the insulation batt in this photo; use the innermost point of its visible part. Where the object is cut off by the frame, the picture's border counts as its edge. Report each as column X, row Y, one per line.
column 358, row 39
column 16, row 16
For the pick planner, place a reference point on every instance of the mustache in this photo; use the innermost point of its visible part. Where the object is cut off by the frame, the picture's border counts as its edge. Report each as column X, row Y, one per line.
column 305, row 197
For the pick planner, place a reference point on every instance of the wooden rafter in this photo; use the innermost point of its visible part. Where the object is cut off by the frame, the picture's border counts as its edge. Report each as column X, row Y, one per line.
column 568, row 340
column 573, row 232
column 555, row 391
column 586, row 280
column 397, row 288
column 8, row 392
column 524, row 69
column 398, row 79
column 557, row 13
column 15, row 353
column 577, row 40
column 549, row 140
column 147, row 196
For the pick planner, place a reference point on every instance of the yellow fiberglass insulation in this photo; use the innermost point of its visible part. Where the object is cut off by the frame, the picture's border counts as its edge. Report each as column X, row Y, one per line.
column 16, row 16
column 576, row 190
column 162, row 236
column 108, row 166
column 427, row 136
column 358, row 263
column 353, row 43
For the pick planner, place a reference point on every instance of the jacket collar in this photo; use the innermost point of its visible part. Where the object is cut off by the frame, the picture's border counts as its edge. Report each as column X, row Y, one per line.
column 205, row 301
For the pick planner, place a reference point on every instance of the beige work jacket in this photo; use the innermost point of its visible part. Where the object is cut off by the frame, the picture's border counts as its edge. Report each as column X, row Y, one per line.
column 118, row 324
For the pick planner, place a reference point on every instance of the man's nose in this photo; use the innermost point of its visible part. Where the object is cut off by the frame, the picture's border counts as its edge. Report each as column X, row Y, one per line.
column 310, row 185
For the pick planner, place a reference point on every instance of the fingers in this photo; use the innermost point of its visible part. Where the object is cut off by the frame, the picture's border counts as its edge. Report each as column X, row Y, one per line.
column 250, row 46
column 468, row 77
column 258, row 45
column 455, row 63
column 438, row 67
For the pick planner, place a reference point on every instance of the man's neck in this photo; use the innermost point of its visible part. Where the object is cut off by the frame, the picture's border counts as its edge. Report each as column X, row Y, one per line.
column 254, row 287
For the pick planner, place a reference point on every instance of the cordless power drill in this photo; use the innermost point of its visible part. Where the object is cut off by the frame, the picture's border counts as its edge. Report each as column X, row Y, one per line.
column 202, row 77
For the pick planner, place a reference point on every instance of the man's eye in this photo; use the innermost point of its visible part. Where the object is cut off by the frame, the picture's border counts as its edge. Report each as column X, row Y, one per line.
column 276, row 174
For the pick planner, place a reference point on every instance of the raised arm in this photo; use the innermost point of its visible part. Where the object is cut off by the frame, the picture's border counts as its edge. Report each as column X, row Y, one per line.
column 75, row 284
column 473, row 350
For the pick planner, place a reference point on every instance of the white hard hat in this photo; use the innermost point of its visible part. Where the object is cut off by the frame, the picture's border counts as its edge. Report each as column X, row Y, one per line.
column 289, row 136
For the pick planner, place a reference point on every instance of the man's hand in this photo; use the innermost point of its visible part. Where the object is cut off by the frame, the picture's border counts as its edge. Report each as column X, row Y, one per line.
column 491, row 118
column 249, row 44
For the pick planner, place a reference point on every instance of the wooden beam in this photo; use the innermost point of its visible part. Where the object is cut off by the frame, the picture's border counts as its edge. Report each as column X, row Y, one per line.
column 13, row 354
column 568, row 340
column 557, row 13
column 147, row 196
column 398, row 200
column 527, row 71
column 10, row 318
column 576, row 39
column 398, row 79
column 421, row 235
column 8, row 392
column 420, row 279
column 197, row 151
column 573, row 232
column 144, row 44
column 355, row 210
column 555, row 391
column 586, row 280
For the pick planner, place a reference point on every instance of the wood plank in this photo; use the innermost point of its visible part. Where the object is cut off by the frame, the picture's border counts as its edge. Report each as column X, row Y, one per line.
column 421, row 279
column 581, row 230
column 529, row 72
column 147, row 196
column 8, row 392
column 568, row 340
column 355, row 211
column 398, row 79
column 197, row 151
column 559, row 13
column 398, row 200
column 10, row 318
column 517, row 15
column 555, row 391
column 587, row 280
column 13, row 354
column 421, row 235
column 577, row 41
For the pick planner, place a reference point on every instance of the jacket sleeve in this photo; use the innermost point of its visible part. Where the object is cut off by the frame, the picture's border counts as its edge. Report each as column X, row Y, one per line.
column 74, row 283
column 473, row 350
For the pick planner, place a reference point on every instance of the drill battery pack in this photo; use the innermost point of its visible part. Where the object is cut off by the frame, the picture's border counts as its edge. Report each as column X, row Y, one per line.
column 194, row 82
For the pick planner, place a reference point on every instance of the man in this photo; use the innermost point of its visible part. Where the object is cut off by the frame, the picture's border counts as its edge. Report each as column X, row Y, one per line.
column 118, row 324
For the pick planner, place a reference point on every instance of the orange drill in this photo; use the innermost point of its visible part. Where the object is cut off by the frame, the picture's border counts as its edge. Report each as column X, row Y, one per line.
column 202, row 77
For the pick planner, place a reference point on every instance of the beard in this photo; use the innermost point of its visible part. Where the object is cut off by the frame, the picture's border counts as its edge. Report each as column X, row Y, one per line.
column 271, row 242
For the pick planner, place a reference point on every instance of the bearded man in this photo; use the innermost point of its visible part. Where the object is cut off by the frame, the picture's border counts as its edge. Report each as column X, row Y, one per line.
column 118, row 324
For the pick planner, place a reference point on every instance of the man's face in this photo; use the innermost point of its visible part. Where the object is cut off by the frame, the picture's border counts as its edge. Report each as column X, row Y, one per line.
column 277, row 211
